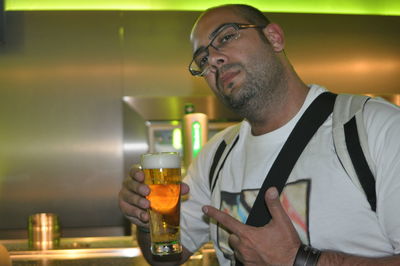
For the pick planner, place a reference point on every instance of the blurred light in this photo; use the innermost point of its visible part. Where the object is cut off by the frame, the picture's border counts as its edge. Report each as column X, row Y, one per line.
column 362, row 7
column 175, row 122
column 131, row 252
column 353, row 66
column 135, row 146
column 177, row 139
column 196, row 138
column 121, row 33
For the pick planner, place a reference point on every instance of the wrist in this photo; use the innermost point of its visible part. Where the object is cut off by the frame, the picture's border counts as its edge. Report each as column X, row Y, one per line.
column 306, row 256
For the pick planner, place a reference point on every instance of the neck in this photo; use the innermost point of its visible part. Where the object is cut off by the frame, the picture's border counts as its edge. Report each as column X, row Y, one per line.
column 282, row 110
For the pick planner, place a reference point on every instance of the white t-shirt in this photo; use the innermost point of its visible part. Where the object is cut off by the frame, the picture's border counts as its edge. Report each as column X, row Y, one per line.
column 326, row 208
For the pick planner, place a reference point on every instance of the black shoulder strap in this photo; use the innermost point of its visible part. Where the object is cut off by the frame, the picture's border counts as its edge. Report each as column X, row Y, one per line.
column 312, row 119
column 217, row 157
column 359, row 161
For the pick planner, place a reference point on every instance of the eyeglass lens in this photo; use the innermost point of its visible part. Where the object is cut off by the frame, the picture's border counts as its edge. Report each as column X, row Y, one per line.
column 223, row 37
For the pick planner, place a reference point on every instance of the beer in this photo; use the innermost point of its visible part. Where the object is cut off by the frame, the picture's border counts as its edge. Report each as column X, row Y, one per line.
column 163, row 176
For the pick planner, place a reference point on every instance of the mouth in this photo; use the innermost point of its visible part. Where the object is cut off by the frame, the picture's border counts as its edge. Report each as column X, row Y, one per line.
column 226, row 79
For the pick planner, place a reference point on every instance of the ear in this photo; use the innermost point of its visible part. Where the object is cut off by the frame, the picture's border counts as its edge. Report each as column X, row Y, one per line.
column 275, row 36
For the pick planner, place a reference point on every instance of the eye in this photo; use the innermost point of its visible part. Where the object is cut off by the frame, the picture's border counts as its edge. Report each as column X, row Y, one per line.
column 227, row 37
column 202, row 60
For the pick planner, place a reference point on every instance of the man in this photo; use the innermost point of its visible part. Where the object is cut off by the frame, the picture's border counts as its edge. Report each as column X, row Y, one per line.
column 241, row 56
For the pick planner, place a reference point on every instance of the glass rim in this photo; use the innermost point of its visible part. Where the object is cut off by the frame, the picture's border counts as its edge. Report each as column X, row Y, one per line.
column 160, row 160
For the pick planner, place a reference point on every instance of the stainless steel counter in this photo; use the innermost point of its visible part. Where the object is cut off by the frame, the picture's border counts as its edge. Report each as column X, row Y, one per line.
column 99, row 251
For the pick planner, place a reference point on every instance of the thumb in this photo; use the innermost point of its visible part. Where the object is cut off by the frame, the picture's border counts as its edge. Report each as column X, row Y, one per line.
column 184, row 189
column 274, row 204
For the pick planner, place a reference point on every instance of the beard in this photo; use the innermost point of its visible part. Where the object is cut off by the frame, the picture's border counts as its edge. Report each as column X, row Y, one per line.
column 265, row 82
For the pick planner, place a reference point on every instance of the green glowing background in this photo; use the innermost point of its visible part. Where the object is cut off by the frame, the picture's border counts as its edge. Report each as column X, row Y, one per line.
column 361, row 7
column 196, row 138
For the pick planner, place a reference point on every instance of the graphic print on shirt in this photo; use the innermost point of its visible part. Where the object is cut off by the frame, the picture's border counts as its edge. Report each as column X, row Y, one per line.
column 294, row 199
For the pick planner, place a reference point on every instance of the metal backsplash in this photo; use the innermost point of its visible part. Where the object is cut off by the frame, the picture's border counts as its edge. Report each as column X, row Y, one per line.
column 172, row 108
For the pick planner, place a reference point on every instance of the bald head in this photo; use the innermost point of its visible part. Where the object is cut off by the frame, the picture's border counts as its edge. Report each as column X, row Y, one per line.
column 249, row 14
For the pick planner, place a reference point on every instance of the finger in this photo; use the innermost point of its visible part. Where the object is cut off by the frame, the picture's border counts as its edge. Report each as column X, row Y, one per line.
column 134, row 199
column 184, row 189
column 136, row 187
column 136, row 174
column 274, row 205
column 134, row 214
column 234, row 241
column 223, row 218
column 133, row 206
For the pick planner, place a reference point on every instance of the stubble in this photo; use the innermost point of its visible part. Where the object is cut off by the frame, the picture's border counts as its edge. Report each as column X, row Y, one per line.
column 264, row 87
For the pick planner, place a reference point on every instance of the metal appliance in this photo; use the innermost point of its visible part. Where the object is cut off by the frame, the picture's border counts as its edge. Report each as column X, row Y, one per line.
column 154, row 124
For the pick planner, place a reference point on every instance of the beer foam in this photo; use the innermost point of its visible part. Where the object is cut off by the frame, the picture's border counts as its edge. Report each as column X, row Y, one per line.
column 161, row 160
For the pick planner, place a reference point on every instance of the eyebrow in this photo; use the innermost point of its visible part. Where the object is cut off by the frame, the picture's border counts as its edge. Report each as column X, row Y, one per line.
column 214, row 32
column 210, row 37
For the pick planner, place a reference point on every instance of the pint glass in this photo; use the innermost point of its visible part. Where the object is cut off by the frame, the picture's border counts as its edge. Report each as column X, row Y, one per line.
column 163, row 176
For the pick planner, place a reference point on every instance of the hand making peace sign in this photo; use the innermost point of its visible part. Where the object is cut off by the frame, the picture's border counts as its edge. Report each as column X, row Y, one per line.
column 276, row 243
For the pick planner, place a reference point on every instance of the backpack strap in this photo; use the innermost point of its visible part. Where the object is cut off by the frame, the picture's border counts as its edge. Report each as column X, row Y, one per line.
column 315, row 115
column 351, row 143
column 359, row 161
column 311, row 120
column 230, row 139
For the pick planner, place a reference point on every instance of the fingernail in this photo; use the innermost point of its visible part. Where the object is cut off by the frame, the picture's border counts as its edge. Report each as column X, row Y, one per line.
column 144, row 203
column 272, row 193
column 146, row 191
column 143, row 216
column 205, row 209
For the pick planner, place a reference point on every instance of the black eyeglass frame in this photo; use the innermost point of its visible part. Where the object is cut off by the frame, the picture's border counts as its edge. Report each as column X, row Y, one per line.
column 237, row 26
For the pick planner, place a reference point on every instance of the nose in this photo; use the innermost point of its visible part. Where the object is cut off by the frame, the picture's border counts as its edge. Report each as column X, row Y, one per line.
column 216, row 58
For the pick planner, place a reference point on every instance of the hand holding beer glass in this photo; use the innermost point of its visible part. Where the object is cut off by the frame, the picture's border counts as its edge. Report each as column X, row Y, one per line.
column 163, row 176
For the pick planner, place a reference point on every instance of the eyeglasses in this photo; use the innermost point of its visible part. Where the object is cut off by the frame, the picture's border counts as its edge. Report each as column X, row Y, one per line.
column 225, row 34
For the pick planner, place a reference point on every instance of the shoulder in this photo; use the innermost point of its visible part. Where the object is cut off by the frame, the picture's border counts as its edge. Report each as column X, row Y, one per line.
column 381, row 107
column 205, row 156
column 198, row 171
column 375, row 111
column 212, row 144
column 382, row 125
column 379, row 113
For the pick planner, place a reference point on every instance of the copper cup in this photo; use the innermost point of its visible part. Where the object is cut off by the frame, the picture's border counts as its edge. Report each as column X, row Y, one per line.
column 43, row 231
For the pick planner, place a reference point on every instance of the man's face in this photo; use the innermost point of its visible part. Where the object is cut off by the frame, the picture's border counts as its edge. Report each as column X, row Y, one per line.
column 243, row 73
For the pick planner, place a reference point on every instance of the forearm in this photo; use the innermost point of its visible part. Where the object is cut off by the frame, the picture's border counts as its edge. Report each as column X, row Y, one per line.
column 143, row 240
column 329, row 258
